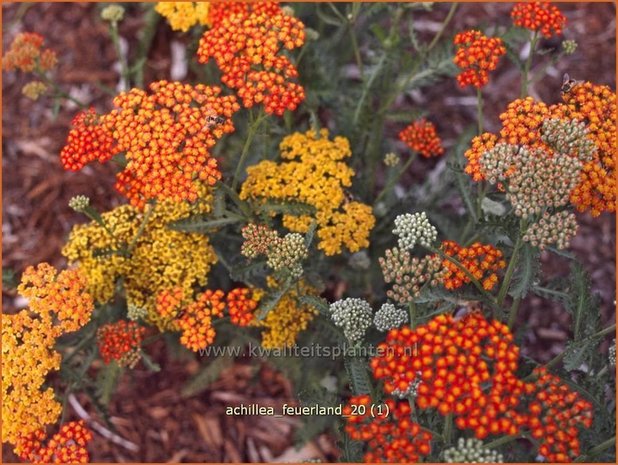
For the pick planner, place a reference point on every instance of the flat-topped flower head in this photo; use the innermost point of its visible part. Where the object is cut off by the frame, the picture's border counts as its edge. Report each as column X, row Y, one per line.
column 557, row 229
column 422, row 137
column 121, row 342
column 252, row 63
column 414, row 228
column 539, row 16
column 182, row 16
column 388, row 317
column 476, row 56
column 354, row 316
column 66, row 446
column 471, row 450
column 242, row 303
column 26, row 54
column 393, row 438
column 483, row 261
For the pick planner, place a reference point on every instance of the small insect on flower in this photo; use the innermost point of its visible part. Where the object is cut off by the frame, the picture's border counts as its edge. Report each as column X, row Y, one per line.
column 568, row 83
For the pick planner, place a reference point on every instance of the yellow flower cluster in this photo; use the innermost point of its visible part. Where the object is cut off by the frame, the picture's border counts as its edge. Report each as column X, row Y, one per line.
column 182, row 16
column 58, row 305
column 159, row 259
column 313, row 172
column 287, row 319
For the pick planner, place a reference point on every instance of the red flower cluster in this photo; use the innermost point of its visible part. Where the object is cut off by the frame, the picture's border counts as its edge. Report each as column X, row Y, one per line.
column 26, row 54
column 556, row 413
column 392, row 438
column 196, row 320
column 467, row 367
column 166, row 136
column 66, row 446
column 241, row 303
column 121, row 341
column 169, row 303
column 421, row 136
column 481, row 260
column 247, row 47
column 476, row 56
column 539, row 16
column 88, row 141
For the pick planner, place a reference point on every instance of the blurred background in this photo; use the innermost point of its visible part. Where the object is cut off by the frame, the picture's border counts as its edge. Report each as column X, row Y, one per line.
column 148, row 410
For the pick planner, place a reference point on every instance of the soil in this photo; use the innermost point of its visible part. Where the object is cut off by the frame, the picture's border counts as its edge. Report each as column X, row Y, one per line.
column 148, row 409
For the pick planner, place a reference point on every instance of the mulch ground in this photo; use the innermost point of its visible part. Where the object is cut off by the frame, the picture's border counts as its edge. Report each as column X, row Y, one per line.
column 148, row 409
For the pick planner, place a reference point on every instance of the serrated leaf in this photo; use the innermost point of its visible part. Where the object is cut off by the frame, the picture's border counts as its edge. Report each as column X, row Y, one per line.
column 492, row 207
column 528, row 269
column 579, row 353
column 316, row 302
column 286, row 208
column 270, row 301
column 107, row 379
column 206, row 376
column 356, row 368
column 198, row 224
column 310, row 234
column 150, row 363
column 581, row 304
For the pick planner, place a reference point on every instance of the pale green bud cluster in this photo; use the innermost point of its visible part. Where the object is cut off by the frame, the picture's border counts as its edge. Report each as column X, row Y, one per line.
column 112, row 13
column 391, row 159
column 411, row 390
column 135, row 313
column 471, row 450
column 569, row 46
column 612, row 353
column 353, row 316
column 258, row 239
column 535, row 179
column 414, row 228
column 79, row 203
column 569, row 138
column 288, row 253
column 557, row 229
column 389, row 317
column 409, row 274
column 34, row 89
column 359, row 260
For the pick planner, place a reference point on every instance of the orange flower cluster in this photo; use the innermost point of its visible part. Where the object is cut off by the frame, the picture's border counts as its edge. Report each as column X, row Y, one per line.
column 421, row 136
column 121, row 341
column 26, row 54
column 87, row 141
column 252, row 62
column 476, row 56
column 220, row 10
column 454, row 360
column 166, row 136
column 168, row 304
column 390, row 439
column 467, row 367
column 483, row 261
column 522, row 124
column 595, row 105
column 66, row 446
column 241, row 303
column 539, row 16
column 556, row 414
column 58, row 305
column 196, row 320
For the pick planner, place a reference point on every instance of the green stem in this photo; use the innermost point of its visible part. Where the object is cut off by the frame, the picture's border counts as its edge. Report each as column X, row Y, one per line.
column 58, row 92
column 506, row 282
column 469, row 275
column 558, row 358
column 479, row 110
column 412, row 312
column 141, row 228
column 500, row 441
column 524, row 79
column 513, row 311
column 393, row 180
column 596, row 450
column 124, row 67
column 448, row 428
column 355, row 48
column 447, row 20
column 253, row 127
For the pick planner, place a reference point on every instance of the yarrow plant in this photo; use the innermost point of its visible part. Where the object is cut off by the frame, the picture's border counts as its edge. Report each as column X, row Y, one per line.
column 295, row 191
